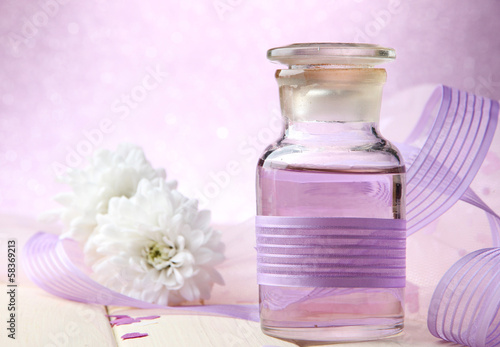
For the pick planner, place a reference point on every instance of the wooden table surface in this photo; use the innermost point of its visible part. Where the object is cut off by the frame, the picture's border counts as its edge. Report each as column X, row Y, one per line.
column 45, row 320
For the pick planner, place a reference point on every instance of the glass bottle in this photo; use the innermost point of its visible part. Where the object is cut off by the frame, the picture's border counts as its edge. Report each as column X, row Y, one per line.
column 332, row 162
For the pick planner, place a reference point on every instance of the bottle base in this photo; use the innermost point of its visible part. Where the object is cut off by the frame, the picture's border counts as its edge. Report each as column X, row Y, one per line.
column 315, row 336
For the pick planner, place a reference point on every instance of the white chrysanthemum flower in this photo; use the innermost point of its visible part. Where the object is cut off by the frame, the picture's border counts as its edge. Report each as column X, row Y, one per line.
column 110, row 174
column 156, row 246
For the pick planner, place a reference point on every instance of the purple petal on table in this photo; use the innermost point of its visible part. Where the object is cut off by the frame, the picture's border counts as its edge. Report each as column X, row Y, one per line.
column 134, row 335
column 121, row 321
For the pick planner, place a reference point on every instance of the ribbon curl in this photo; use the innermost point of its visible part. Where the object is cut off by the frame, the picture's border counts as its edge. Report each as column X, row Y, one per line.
column 466, row 303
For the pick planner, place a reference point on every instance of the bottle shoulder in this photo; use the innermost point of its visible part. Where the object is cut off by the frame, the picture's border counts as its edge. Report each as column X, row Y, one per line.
column 375, row 155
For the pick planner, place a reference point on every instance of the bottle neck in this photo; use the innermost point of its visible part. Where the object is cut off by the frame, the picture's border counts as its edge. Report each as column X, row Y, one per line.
column 332, row 132
column 331, row 94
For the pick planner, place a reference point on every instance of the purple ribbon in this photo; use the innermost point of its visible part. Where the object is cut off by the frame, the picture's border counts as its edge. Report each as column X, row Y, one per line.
column 331, row 252
column 465, row 307
column 466, row 304
column 56, row 265
column 440, row 173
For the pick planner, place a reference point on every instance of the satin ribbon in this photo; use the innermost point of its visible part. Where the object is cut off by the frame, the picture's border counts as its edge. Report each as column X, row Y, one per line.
column 453, row 143
column 465, row 307
column 56, row 265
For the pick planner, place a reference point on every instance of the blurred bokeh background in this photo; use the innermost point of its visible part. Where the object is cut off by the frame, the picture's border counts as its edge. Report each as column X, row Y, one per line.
column 189, row 82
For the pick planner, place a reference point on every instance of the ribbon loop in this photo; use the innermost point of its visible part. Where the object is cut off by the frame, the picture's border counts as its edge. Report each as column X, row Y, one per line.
column 452, row 154
column 465, row 307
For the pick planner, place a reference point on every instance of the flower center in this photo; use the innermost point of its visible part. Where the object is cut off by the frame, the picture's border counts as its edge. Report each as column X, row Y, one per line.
column 160, row 255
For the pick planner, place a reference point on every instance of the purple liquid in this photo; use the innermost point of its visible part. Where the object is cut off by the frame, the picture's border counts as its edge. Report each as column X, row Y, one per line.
column 331, row 314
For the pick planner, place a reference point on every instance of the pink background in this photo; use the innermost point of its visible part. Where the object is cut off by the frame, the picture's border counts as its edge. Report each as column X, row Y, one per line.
column 203, row 97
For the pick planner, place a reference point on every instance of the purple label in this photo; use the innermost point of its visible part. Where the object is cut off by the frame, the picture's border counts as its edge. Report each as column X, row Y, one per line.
column 331, row 252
